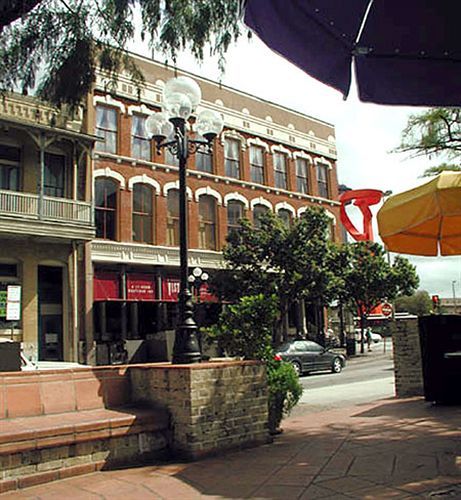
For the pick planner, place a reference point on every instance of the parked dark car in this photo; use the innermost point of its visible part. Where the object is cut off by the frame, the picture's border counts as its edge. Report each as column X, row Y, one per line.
column 307, row 356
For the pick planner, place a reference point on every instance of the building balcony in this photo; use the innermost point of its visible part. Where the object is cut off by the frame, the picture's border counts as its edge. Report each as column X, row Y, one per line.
column 31, row 215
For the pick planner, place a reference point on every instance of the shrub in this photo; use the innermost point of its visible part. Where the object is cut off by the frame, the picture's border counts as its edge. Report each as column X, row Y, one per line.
column 245, row 330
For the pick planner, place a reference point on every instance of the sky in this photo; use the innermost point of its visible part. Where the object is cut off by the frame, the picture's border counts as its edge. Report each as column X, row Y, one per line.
column 365, row 133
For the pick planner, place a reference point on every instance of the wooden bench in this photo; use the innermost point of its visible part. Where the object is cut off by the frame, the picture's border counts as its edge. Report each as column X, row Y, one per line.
column 58, row 423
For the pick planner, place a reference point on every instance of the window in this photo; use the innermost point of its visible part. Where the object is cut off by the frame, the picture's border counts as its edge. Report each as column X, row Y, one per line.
column 140, row 144
column 204, row 161
column 258, row 211
column 286, row 216
column 10, row 158
column 331, row 230
column 173, row 217
column 280, row 170
column 106, row 127
column 143, row 213
column 257, row 164
column 55, row 175
column 207, row 222
column 235, row 213
column 106, row 208
column 232, row 158
column 302, row 176
column 170, row 158
column 322, row 180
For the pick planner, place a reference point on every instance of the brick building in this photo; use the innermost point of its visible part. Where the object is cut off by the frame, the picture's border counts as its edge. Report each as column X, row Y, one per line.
column 267, row 158
column 46, row 220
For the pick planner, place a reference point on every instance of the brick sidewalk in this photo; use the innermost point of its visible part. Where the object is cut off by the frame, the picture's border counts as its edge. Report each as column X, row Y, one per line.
column 389, row 449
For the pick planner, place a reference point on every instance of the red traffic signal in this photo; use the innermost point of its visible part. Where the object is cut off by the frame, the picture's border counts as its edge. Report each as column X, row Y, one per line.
column 435, row 300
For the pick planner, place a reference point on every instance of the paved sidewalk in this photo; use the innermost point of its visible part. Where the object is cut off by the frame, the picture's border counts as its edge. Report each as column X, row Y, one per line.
column 388, row 449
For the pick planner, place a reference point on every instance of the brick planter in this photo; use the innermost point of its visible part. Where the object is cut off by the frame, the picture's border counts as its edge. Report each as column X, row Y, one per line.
column 213, row 406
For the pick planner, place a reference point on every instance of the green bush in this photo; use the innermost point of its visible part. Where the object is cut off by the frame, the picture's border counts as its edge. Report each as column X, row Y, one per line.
column 285, row 391
column 245, row 330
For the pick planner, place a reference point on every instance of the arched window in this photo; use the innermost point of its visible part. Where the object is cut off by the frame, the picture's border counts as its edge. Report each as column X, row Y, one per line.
column 286, row 216
column 258, row 211
column 106, row 191
column 235, row 213
column 143, row 213
column 207, row 222
column 173, row 217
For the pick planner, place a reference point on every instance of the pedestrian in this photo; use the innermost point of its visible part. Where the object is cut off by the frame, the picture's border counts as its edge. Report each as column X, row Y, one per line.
column 368, row 338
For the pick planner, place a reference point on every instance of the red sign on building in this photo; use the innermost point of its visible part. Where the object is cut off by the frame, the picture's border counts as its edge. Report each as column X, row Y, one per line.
column 140, row 287
column 106, row 286
column 170, row 289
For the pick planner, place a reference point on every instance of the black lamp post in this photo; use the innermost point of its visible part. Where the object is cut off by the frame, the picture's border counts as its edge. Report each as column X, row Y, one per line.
column 181, row 96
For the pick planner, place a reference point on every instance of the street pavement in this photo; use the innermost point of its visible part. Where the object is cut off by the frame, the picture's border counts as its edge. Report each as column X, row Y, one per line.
column 390, row 448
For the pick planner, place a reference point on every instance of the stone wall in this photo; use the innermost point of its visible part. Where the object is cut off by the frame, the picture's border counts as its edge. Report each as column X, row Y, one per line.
column 213, row 406
column 407, row 359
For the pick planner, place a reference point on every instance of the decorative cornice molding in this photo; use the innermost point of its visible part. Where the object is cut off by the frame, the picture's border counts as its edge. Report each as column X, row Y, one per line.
column 109, row 101
column 261, row 201
column 285, row 206
column 207, row 190
column 237, row 197
column 175, row 185
column 144, row 179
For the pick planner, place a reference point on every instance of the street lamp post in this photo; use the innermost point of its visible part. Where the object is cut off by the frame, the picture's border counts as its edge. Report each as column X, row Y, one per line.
column 453, row 283
column 181, row 96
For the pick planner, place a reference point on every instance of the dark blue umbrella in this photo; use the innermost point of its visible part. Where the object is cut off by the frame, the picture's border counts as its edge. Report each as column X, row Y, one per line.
column 404, row 52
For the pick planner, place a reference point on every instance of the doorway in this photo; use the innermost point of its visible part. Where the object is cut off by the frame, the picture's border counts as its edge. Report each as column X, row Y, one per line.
column 50, row 317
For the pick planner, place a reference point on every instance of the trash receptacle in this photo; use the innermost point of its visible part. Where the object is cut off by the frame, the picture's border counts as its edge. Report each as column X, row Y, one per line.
column 10, row 356
column 440, row 339
column 350, row 346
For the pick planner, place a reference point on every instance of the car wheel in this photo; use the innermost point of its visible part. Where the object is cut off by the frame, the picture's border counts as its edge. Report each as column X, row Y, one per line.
column 297, row 367
column 337, row 366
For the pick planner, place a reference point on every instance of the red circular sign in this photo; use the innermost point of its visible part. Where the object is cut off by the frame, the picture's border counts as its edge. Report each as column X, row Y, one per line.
column 386, row 309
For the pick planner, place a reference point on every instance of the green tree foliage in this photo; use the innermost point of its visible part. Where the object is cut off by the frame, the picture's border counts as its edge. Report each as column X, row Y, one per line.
column 435, row 132
column 368, row 279
column 419, row 303
column 289, row 262
column 56, row 45
column 244, row 329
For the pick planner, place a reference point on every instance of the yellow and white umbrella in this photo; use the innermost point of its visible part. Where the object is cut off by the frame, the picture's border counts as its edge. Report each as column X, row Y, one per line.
column 425, row 220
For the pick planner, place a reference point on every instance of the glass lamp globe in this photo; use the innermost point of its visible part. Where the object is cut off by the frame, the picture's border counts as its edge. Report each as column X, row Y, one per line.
column 178, row 106
column 158, row 127
column 205, row 277
column 197, row 272
column 184, row 86
column 209, row 124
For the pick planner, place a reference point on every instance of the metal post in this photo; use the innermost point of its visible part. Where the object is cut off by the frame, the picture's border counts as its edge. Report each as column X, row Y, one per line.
column 186, row 348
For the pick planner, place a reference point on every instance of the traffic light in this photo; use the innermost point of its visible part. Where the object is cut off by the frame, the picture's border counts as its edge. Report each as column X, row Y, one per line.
column 435, row 301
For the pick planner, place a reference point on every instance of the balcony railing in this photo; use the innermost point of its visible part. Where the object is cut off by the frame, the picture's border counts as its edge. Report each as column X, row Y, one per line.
column 27, row 205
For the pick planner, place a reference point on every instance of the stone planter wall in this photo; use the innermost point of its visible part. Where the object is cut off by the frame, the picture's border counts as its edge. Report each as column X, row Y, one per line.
column 407, row 359
column 213, row 406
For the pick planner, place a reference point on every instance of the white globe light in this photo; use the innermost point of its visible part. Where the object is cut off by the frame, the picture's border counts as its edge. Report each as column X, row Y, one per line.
column 186, row 87
column 178, row 106
column 158, row 126
column 204, row 276
column 197, row 272
column 209, row 124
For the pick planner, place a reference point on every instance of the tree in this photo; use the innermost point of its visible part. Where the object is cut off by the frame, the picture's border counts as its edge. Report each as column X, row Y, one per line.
column 57, row 45
column 290, row 262
column 368, row 279
column 435, row 132
column 419, row 303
